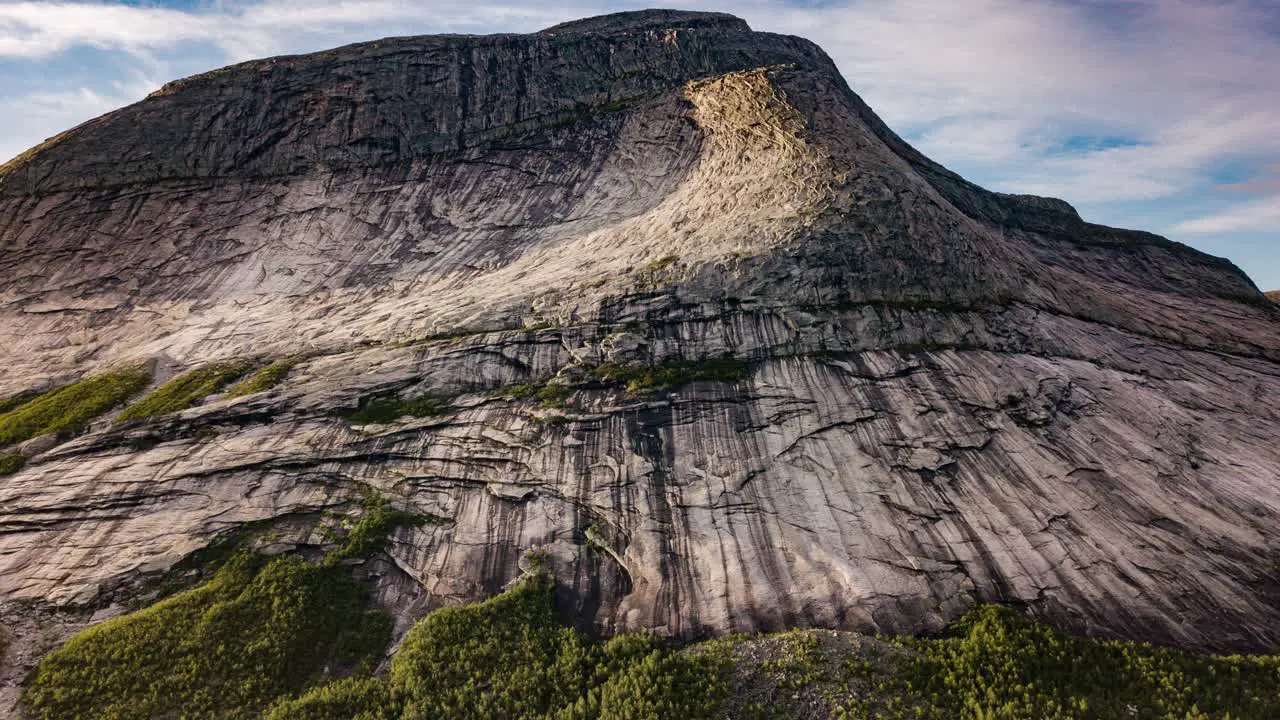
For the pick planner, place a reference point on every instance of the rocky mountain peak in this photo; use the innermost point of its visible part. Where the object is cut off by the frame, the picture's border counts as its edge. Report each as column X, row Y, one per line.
column 652, row 292
column 646, row 20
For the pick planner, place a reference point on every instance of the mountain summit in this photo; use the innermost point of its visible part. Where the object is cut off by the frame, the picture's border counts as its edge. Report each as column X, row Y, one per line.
column 652, row 292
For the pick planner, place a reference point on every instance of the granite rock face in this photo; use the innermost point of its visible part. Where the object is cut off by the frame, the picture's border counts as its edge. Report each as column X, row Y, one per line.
column 943, row 395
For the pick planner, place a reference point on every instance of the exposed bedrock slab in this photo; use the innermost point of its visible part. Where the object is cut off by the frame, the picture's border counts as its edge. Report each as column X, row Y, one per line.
column 875, row 489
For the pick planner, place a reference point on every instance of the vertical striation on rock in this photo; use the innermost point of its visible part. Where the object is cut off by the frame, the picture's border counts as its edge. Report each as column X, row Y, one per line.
column 927, row 395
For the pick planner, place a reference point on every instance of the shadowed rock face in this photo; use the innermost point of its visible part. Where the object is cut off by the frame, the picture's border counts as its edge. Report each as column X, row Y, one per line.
column 950, row 396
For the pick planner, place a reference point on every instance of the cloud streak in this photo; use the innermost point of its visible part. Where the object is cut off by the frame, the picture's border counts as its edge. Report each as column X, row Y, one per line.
column 1256, row 216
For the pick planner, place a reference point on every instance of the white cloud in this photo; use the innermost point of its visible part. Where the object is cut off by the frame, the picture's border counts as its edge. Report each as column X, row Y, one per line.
column 1261, row 215
column 35, row 29
column 46, row 113
column 991, row 86
column 245, row 30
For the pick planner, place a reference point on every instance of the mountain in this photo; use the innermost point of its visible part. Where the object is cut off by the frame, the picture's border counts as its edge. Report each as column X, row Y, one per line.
column 653, row 294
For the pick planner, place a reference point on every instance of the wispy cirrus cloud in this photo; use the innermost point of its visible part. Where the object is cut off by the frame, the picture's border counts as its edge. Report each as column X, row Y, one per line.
column 39, row 29
column 1256, row 216
column 242, row 30
column 1130, row 109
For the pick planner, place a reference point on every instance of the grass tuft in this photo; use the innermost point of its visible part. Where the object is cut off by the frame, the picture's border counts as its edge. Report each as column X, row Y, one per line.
column 185, row 390
column 264, row 378
column 16, row 401
column 71, row 406
column 11, row 463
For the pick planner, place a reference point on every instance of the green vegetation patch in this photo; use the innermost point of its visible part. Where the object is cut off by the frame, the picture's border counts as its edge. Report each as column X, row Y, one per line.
column 1002, row 666
column 185, row 390
column 645, row 379
column 369, row 534
column 264, row 378
column 381, row 410
column 552, row 395
column 11, row 463
column 637, row 379
column 71, row 406
column 259, row 629
column 510, row 657
column 280, row 639
column 16, row 401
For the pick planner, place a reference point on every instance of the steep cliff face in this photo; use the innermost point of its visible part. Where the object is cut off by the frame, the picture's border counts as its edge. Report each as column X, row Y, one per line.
column 693, row 319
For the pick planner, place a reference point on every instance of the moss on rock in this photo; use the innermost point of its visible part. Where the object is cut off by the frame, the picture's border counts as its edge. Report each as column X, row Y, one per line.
column 185, row 390
column 71, row 406
column 11, row 463
column 263, row 378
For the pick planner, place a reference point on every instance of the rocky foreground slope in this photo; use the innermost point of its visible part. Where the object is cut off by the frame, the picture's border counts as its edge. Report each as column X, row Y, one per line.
column 655, row 293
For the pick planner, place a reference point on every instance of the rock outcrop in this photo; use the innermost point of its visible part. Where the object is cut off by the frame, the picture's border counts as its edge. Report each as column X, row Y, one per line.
column 939, row 395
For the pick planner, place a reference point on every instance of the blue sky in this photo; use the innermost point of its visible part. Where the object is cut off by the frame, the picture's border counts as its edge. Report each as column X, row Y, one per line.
column 1162, row 115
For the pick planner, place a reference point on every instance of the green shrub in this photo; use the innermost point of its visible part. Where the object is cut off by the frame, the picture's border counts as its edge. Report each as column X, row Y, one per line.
column 71, row 406
column 658, row 685
column 357, row 698
column 510, row 657
column 369, row 534
column 11, row 463
column 506, row 657
column 259, row 629
column 1003, row 666
column 264, row 378
column 185, row 390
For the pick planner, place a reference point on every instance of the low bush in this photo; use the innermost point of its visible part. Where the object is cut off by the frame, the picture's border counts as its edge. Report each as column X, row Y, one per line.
column 368, row 535
column 71, row 406
column 260, row 629
column 511, row 657
column 185, row 390
column 1002, row 666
